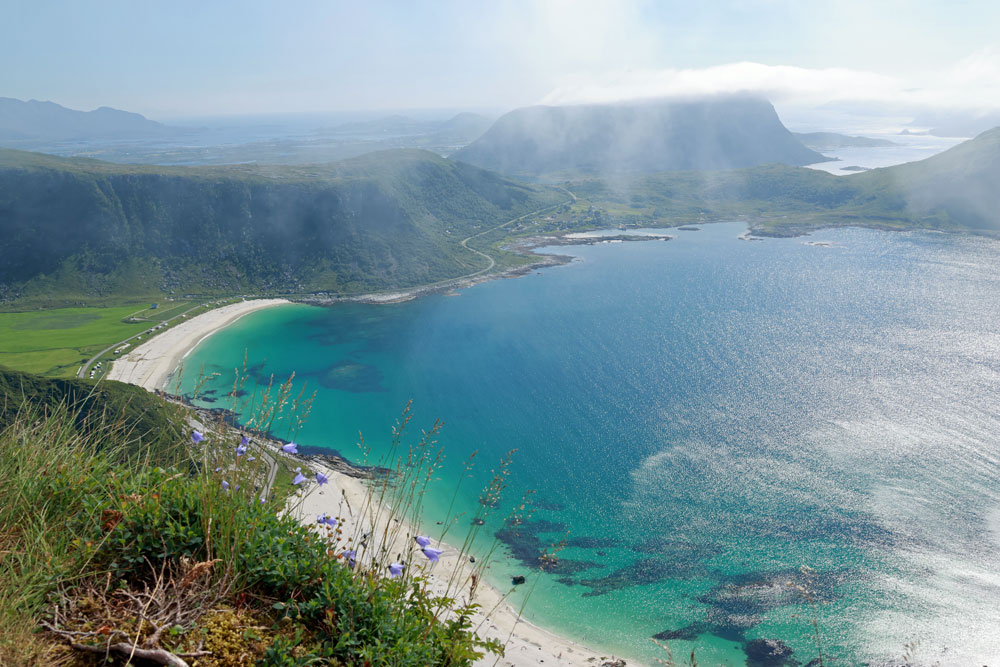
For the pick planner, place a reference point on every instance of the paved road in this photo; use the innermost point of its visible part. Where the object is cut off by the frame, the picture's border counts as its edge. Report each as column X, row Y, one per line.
column 465, row 242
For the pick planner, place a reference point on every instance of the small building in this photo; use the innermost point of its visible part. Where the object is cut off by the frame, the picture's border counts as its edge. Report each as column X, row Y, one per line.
column 154, row 306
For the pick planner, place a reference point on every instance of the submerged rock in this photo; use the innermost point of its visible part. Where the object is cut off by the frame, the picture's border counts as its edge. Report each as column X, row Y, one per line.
column 518, row 580
column 769, row 653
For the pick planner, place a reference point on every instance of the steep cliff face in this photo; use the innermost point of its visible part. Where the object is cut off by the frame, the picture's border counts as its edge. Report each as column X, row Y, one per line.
column 716, row 133
column 384, row 220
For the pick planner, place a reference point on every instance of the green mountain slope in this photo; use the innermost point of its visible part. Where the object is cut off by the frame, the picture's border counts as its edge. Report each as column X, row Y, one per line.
column 955, row 190
column 384, row 220
column 722, row 132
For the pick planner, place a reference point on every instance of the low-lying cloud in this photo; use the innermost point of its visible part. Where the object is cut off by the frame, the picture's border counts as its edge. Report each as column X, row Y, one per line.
column 972, row 83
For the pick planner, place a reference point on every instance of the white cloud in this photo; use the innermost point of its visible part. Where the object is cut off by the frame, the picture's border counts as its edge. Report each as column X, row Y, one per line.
column 971, row 83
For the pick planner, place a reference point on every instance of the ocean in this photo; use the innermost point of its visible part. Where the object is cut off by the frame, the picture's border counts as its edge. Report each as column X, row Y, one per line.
column 727, row 441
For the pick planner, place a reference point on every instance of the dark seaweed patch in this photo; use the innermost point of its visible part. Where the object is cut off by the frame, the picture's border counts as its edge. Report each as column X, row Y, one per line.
column 346, row 375
column 538, row 503
column 525, row 544
column 639, row 573
column 585, row 542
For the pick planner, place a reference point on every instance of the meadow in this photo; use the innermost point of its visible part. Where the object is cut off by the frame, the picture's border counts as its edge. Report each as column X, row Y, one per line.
column 57, row 342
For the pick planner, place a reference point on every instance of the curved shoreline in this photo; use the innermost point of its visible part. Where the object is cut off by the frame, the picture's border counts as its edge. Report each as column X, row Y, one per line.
column 150, row 366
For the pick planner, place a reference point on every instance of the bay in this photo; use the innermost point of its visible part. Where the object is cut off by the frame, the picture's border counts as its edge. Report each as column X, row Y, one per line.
column 700, row 419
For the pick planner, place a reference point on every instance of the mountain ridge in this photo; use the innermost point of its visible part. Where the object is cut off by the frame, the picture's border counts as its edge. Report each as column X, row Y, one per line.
column 382, row 220
column 43, row 120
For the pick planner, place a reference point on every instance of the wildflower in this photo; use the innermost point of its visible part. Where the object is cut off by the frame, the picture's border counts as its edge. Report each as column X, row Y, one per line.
column 432, row 554
column 395, row 569
column 219, row 469
column 290, row 448
column 321, row 479
column 251, row 458
column 299, row 478
column 244, row 441
column 349, row 555
column 225, row 485
column 241, row 450
column 326, row 520
column 197, row 436
column 423, row 540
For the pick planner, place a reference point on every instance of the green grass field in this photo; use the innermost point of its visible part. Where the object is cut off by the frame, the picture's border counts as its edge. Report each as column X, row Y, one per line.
column 56, row 342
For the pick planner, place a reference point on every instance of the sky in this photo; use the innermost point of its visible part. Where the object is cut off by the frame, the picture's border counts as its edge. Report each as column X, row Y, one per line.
column 179, row 58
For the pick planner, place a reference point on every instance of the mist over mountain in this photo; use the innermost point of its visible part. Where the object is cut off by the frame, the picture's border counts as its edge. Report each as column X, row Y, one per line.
column 956, row 188
column 387, row 219
column 34, row 120
column 721, row 132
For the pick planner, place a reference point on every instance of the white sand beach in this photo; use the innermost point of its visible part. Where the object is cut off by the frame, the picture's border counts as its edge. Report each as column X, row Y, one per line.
column 150, row 364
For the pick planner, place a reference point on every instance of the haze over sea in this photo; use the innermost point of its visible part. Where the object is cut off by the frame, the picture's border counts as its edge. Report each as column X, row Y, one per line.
column 703, row 417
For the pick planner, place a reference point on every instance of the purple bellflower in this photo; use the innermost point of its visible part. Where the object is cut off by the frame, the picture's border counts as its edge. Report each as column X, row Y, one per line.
column 299, row 478
column 322, row 479
column 290, row 448
column 423, row 540
column 197, row 436
column 432, row 554
column 395, row 570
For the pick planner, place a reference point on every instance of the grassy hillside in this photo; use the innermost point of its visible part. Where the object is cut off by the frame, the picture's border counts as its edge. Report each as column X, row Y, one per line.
column 384, row 220
column 142, row 420
column 953, row 191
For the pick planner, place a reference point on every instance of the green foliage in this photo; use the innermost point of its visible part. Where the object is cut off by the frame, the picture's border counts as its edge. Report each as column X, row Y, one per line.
column 57, row 342
column 80, row 512
column 384, row 220
column 141, row 420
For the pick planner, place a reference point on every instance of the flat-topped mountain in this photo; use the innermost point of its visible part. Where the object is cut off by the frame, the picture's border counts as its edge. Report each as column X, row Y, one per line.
column 383, row 220
column 34, row 120
column 722, row 132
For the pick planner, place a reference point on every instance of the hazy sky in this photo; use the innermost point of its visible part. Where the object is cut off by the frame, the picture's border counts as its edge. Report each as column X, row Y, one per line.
column 171, row 58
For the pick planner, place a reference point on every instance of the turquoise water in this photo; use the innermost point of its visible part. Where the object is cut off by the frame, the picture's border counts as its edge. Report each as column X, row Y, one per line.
column 703, row 417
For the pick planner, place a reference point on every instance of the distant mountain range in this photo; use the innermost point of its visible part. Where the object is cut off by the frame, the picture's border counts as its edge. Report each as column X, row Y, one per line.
column 34, row 120
column 822, row 141
column 722, row 132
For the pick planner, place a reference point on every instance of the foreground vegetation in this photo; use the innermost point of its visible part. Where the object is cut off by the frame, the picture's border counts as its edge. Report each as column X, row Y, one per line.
column 112, row 548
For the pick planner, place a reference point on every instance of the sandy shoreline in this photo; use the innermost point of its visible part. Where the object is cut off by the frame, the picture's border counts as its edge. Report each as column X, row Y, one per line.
column 346, row 498
column 150, row 365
